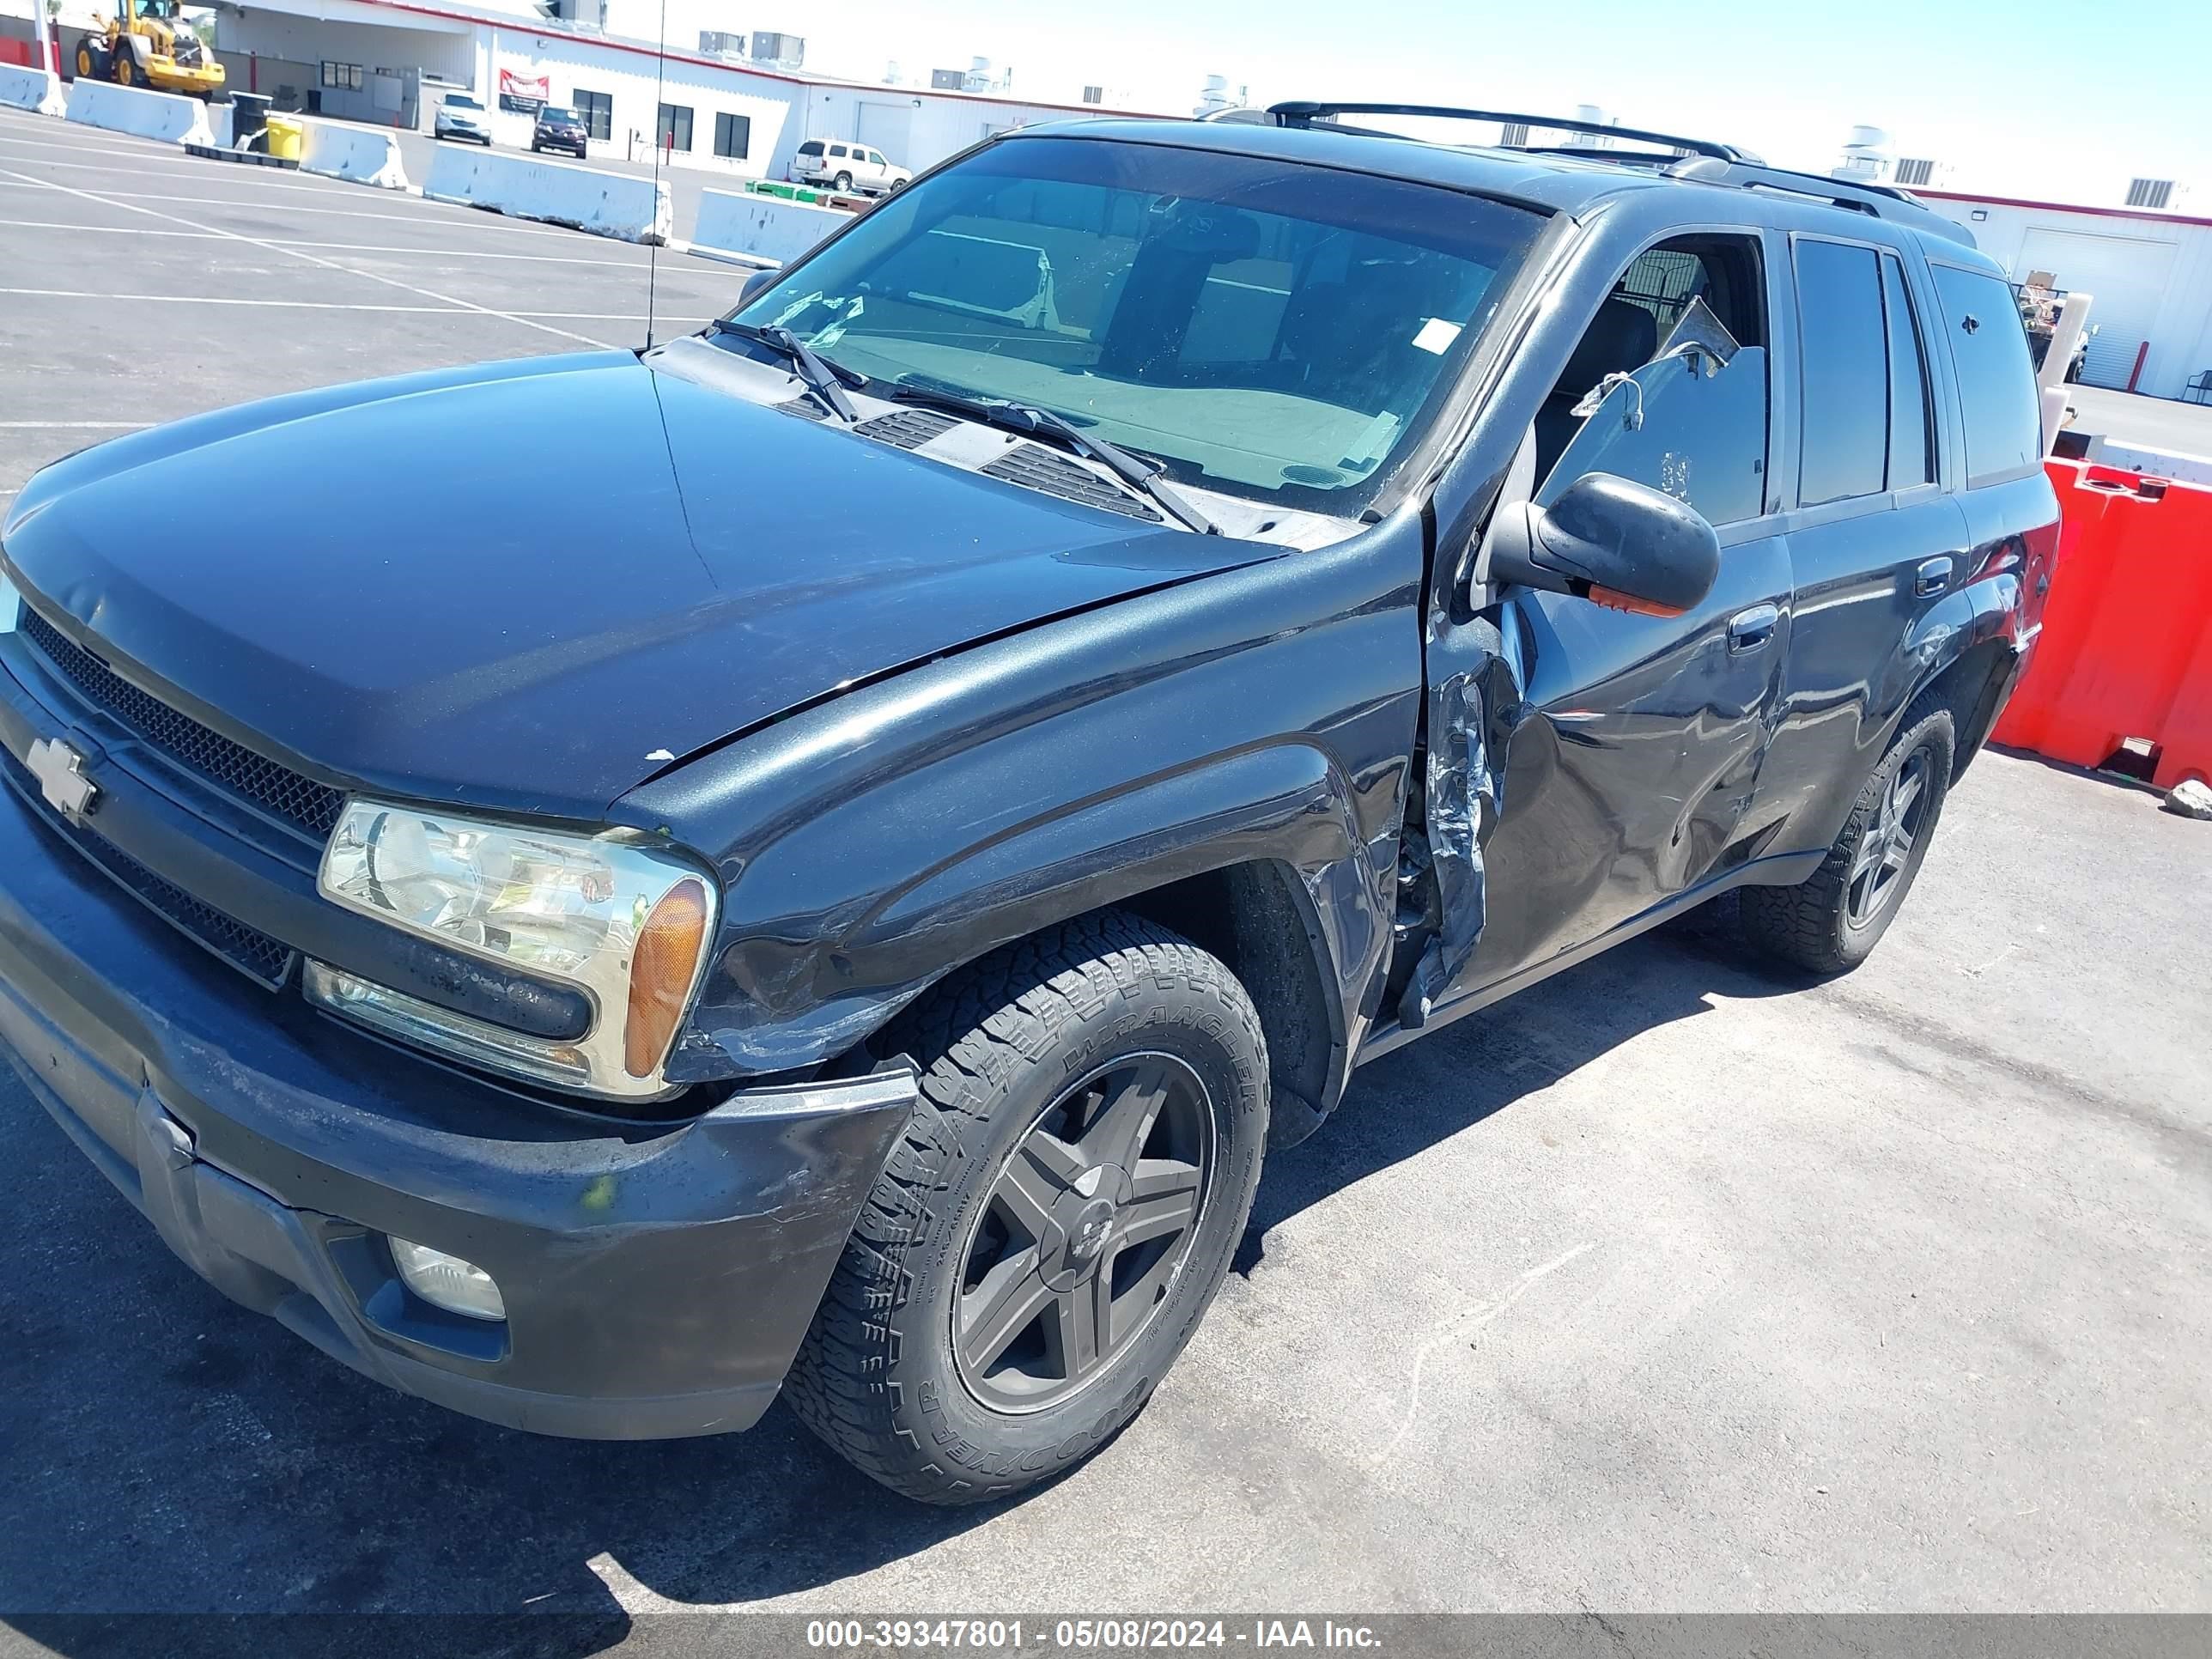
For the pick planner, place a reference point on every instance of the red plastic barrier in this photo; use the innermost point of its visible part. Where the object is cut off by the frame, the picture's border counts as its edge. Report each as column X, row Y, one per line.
column 2126, row 649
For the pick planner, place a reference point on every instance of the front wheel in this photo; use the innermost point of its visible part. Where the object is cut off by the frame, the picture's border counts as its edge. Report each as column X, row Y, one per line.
column 1058, row 1214
column 126, row 71
column 1831, row 922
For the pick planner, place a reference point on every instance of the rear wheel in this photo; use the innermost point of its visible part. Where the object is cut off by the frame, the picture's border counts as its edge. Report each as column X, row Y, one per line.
column 1059, row 1214
column 842, row 183
column 1829, row 922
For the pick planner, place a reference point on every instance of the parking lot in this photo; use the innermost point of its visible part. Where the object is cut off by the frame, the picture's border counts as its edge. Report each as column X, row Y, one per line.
column 1671, row 1284
column 137, row 285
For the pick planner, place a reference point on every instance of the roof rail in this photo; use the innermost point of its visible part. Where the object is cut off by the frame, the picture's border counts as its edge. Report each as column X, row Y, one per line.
column 1880, row 201
column 1703, row 161
column 1301, row 114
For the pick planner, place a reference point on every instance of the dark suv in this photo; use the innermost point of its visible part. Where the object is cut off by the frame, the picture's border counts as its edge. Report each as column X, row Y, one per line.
column 833, row 889
column 562, row 129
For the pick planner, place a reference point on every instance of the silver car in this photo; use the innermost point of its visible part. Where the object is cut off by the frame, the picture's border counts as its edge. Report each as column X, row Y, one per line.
column 461, row 118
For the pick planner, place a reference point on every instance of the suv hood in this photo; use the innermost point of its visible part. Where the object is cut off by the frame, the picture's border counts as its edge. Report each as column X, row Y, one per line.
column 531, row 584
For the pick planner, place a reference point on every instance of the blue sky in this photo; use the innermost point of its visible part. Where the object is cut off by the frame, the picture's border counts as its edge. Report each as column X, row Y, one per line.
column 2042, row 99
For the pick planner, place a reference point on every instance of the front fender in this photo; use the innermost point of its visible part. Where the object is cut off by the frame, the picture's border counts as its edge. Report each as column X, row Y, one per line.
column 871, row 844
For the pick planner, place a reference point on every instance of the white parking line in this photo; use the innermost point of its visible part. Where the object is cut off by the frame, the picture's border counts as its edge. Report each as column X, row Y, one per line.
column 317, row 259
column 186, row 166
column 459, row 308
column 472, row 217
column 336, row 247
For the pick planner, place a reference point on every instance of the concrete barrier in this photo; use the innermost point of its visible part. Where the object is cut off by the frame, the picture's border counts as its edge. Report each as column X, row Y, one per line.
column 131, row 109
column 37, row 90
column 364, row 155
column 762, row 230
column 605, row 203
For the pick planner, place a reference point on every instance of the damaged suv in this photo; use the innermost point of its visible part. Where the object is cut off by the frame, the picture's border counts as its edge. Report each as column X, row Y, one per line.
column 832, row 886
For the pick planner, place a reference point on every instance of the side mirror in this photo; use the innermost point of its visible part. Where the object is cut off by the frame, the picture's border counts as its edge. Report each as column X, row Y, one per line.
column 1611, row 540
column 754, row 286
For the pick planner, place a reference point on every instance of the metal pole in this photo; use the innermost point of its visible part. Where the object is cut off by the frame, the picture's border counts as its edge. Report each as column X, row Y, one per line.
column 46, row 59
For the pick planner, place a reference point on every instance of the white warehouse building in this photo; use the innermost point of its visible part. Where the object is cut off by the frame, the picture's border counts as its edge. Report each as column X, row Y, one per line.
column 2150, row 273
column 390, row 61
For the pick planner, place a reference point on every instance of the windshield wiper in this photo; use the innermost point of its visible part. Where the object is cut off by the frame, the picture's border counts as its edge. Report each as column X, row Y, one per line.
column 1146, row 477
column 822, row 379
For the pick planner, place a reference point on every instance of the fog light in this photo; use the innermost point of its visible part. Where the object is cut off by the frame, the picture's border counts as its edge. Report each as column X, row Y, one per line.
column 446, row 1281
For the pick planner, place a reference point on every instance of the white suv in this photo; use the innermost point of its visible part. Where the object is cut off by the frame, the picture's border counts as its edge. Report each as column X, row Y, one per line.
column 844, row 167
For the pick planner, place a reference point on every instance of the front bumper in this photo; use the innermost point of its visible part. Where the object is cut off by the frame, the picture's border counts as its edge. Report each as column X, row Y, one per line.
column 657, row 1279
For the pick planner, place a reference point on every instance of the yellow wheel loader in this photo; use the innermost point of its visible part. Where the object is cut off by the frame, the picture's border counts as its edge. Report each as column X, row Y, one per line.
column 148, row 43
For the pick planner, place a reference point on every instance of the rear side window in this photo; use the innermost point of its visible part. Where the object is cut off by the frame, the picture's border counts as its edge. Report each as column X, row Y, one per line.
column 1845, row 378
column 1997, row 383
column 1910, row 451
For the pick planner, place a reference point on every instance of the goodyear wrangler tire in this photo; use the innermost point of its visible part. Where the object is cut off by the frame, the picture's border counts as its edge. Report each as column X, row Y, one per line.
column 1060, row 1212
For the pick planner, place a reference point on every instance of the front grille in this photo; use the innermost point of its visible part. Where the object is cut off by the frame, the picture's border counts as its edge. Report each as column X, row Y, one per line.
column 252, row 952
column 277, row 790
column 1056, row 475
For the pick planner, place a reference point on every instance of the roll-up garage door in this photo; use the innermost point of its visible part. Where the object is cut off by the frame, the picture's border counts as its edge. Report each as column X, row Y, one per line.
column 2128, row 275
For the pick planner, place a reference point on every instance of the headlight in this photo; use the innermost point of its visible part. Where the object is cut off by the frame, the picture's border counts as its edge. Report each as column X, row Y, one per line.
column 629, row 922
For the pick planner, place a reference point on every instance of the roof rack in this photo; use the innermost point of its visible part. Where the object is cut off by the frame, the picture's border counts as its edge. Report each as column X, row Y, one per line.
column 1880, row 201
column 1699, row 160
column 1304, row 114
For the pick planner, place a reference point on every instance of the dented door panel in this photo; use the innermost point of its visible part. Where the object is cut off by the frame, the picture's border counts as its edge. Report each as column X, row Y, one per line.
column 1631, row 769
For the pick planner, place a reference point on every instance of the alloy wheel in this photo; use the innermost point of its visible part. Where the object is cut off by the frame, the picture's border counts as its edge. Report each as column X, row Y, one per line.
column 1885, row 849
column 1082, row 1234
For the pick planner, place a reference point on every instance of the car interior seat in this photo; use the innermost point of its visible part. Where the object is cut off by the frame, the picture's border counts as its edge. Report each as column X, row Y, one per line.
column 1620, row 338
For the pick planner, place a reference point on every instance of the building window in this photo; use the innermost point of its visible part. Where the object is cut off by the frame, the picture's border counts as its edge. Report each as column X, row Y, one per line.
column 733, row 136
column 1915, row 169
column 597, row 111
column 342, row 77
column 2142, row 192
column 675, row 126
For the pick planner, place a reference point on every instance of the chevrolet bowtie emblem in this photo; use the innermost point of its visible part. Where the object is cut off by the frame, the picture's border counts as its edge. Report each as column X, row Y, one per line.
column 60, row 772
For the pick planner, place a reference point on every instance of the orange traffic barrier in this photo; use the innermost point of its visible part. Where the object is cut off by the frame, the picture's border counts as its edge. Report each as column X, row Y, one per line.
column 2126, row 648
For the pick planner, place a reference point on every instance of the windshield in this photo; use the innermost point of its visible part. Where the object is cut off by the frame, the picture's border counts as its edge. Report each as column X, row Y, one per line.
column 459, row 102
column 552, row 114
column 1268, row 330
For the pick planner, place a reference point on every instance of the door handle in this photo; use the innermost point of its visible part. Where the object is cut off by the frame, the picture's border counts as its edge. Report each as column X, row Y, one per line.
column 1749, row 629
column 1933, row 576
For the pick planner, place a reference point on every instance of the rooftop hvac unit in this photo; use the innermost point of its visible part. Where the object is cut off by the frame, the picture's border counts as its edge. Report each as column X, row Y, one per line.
column 784, row 50
column 1094, row 94
column 2156, row 193
column 947, row 80
column 721, row 43
column 1513, row 135
column 1914, row 170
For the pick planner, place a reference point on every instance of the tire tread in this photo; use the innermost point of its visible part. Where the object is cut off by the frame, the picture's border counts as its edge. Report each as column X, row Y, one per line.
column 967, row 1036
column 1798, row 925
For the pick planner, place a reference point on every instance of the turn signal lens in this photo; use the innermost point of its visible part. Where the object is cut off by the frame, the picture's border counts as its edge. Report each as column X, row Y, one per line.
column 1613, row 599
column 662, row 968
